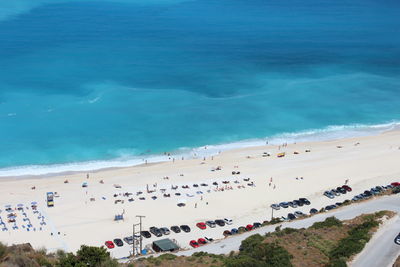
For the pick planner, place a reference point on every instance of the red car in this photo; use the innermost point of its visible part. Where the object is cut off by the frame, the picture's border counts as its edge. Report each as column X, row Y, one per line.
column 347, row 188
column 201, row 225
column 249, row 227
column 109, row 244
column 201, row 241
column 194, row 244
column 395, row 184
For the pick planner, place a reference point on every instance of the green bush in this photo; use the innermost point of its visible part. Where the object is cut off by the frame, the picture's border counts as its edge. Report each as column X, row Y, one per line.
column 168, row 256
column 354, row 242
column 3, row 250
column 337, row 263
column 273, row 255
column 249, row 244
column 275, row 221
column 242, row 261
column 329, row 222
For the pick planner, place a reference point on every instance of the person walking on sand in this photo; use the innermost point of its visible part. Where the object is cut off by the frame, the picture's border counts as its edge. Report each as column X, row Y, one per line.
column 195, row 205
column 274, row 186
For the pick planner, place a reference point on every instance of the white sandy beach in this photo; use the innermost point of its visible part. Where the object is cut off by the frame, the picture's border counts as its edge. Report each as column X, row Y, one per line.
column 365, row 161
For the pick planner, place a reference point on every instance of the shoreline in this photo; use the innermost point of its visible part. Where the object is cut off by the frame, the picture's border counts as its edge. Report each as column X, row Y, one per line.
column 330, row 133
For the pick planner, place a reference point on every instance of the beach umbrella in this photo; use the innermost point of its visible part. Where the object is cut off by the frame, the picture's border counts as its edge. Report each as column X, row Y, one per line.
column 7, row 206
column 34, row 203
column 20, row 205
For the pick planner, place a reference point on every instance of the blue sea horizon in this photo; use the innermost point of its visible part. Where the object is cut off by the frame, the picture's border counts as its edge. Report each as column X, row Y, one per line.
column 111, row 82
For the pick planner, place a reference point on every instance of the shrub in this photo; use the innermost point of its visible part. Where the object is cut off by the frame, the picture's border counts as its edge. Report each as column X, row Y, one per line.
column 242, row 261
column 329, row 222
column 249, row 244
column 275, row 221
column 354, row 242
column 273, row 255
column 3, row 250
column 168, row 256
column 337, row 263
column 92, row 256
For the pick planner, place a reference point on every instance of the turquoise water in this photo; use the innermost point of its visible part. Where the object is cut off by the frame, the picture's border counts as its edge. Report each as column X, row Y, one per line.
column 111, row 81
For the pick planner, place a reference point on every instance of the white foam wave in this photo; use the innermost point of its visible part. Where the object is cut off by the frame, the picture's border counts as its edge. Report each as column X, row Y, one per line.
column 328, row 133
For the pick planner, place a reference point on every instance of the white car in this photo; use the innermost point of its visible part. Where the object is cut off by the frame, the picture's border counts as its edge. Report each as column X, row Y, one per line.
column 299, row 214
column 228, row 221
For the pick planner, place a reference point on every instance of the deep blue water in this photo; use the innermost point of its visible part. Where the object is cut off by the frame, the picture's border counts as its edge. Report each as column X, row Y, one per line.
column 96, row 80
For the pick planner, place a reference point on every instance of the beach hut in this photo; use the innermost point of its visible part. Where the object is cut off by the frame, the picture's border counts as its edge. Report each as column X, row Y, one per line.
column 165, row 245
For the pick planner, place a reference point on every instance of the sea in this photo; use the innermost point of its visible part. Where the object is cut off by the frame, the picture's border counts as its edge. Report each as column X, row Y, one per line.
column 91, row 84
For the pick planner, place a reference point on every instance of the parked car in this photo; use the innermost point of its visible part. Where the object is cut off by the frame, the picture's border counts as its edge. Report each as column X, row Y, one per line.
column 227, row 233
column 275, row 206
column 284, row 219
column 329, row 194
column 313, row 211
column 155, row 231
column 249, row 227
column 367, row 193
column 338, row 204
column 194, row 243
column 304, row 201
column 397, row 239
column 118, row 242
column 341, row 190
column 201, row 241
column 284, row 204
column 292, row 204
column 330, row 207
column 291, row 216
column 128, row 240
column 145, row 234
column 208, row 239
column 256, row 225
column 185, row 228
column 335, row 192
column 165, row 231
column 228, row 221
column 211, row 224
column 299, row 214
column 298, row 203
column 234, row 231
column 394, row 184
column 201, row 225
column 176, row 229
column 109, row 244
column 220, row 222
column 347, row 188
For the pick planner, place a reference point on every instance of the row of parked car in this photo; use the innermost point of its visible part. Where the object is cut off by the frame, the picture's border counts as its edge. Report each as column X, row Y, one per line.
column 294, row 204
column 233, row 231
column 158, row 232
column 338, row 191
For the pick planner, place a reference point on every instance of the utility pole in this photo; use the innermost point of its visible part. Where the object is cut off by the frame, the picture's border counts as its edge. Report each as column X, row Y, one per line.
column 140, row 227
column 134, row 239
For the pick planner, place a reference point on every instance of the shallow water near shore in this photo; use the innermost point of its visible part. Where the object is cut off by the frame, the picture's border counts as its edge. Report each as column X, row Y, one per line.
column 87, row 85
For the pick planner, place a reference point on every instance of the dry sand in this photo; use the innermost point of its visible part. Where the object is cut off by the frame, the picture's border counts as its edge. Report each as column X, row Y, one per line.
column 75, row 220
